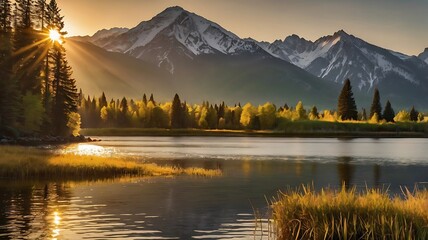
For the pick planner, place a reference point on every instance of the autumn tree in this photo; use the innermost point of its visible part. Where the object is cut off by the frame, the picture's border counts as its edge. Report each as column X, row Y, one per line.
column 346, row 106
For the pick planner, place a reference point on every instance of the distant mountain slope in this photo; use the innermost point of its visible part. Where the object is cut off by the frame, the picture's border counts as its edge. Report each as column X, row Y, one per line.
column 97, row 70
column 210, row 77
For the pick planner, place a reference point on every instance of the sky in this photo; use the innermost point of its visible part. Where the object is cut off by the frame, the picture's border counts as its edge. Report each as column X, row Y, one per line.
column 400, row 25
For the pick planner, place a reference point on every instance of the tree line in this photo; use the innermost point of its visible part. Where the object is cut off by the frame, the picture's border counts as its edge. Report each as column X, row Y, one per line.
column 98, row 112
column 37, row 92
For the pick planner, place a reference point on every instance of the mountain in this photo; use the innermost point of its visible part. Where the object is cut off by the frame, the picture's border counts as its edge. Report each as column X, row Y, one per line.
column 214, row 78
column 402, row 79
column 175, row 34
column 204, row 61
column 424, row 55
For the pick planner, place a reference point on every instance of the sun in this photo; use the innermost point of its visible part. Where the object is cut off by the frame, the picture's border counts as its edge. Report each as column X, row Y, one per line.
column 55, row 36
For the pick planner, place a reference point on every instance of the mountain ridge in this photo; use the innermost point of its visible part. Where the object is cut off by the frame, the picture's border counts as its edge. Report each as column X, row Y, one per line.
column 179, row 41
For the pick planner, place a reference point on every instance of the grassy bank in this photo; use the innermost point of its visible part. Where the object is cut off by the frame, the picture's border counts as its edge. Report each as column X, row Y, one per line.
column 288, row 129
column 344, row 214
column 31, row 163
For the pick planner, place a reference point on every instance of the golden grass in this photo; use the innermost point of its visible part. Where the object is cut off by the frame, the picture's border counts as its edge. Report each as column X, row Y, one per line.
column 346, row 214
column 28, row 163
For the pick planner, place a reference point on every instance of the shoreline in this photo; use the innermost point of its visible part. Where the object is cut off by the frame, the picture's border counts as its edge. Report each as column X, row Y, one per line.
column 29, row 163
column 158, row 132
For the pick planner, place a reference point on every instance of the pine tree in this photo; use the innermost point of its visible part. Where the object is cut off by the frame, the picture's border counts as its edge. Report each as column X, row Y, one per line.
column 388, row 112
column 346, row 106
column 176, row 113
column 364, row 115
column 414, row 114
column 64, row 91
column 376, row 107
column 145, row 99
column 28, row 51
column 103, row 101
column 122, row 117
column 152, row 99
column 9, row 94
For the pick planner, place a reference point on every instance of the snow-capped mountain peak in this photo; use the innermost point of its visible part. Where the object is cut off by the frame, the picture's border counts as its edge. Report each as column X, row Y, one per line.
column 340, row 56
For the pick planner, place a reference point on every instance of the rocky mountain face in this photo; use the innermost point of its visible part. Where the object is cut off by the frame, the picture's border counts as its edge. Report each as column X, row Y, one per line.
column 424, row 55
column 195, row 51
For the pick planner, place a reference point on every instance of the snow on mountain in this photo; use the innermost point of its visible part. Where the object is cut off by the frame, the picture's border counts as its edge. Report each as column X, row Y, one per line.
column 340, row 56
column 172, row 33
column 197, row 34
column 424, row 56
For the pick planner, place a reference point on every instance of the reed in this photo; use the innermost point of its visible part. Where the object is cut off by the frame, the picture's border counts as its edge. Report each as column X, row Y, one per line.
column 31, row 163
column 347, row 214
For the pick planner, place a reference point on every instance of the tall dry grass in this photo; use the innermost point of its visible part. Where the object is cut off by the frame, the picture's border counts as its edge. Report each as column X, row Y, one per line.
column 347, row 214
column 30, row 163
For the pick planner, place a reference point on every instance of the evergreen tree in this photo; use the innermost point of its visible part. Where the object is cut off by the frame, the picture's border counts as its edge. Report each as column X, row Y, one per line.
column 103, row 101
column 376, row 107
column 388, row 112
column 8, row 87
column 40, row 13
column 414, row 114
column 145, row 99
column 122, row 117
column 176, row 113
column 346, row 106
column 28, row 51
column 152, row 99
column 64, row 91
column 364, row 115
column 313, row 114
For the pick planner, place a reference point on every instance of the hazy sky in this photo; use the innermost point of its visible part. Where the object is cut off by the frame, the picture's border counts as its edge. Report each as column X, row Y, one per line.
column 401, row 25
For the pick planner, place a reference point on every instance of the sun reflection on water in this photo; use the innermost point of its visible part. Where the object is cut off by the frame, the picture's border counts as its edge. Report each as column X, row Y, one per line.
column 89, row 149
column 56, row 223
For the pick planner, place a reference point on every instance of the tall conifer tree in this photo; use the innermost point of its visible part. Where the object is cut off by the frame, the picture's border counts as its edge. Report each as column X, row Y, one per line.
column 346, row 106
column 376, row 107
column 9, row 94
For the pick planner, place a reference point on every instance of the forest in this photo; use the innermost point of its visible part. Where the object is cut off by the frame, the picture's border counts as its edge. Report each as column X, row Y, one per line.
column 148, row 113
column 37, row 92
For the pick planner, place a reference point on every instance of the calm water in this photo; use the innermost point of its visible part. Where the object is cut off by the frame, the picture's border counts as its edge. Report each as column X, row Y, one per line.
column 202, row 208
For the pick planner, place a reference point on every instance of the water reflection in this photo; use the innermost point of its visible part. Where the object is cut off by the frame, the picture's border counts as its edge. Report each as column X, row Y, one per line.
column 345, row 171
column 188, row 207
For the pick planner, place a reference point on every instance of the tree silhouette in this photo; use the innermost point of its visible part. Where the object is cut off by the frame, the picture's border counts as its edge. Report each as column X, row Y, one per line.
column 346, row 106
column 177, row 113
column 414, row 114
column 388, row 112
column 376, row 107
column 9, row 94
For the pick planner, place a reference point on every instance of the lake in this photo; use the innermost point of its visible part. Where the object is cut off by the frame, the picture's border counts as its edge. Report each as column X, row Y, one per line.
column 187, row 207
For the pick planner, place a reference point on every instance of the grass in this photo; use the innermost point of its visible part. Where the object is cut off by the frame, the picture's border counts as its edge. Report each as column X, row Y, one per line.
column 347, row 214
column 30, row 163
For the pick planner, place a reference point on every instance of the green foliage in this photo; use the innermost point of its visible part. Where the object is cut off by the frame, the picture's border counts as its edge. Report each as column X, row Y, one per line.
column 346, row 106
column 33, row 113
